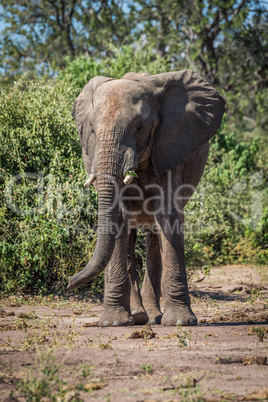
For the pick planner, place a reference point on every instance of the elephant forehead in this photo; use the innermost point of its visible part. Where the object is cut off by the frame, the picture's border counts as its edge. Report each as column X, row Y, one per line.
column 116, row 96
column 109, row 99
column 119, row 89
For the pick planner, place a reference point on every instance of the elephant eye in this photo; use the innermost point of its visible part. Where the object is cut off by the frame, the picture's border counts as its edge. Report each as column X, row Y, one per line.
column 139, row 126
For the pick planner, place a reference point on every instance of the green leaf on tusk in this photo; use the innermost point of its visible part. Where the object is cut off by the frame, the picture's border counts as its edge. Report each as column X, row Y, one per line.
column 131, row 173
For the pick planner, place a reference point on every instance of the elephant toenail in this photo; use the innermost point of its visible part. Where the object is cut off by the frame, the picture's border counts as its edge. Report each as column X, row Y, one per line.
column 192, row 321
column 181, row 322
column 117, row 323
column 104, row 324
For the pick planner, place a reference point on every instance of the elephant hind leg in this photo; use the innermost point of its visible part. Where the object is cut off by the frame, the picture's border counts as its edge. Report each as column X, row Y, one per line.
column 151, row 288
column 136, row 306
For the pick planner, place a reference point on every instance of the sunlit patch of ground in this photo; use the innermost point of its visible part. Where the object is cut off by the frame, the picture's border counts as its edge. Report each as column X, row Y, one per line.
column 52, row 348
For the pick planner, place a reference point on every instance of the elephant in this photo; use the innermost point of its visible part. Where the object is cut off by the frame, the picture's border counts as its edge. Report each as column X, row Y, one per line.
column 144, row 145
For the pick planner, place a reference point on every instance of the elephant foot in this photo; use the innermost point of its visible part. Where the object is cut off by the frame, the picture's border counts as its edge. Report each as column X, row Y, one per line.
column 155, row 316
column 115, row 318
column 180, row 315
column 139, row 316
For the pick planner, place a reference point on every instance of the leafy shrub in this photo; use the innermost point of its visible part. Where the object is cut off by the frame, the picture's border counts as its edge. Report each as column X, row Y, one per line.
column 230, row 204
column 82, row 69
column 47, row 219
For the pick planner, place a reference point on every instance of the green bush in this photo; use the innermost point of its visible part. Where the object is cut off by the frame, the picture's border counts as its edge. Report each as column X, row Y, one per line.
column 231, row 204
column 47, row 219
column 82, row 69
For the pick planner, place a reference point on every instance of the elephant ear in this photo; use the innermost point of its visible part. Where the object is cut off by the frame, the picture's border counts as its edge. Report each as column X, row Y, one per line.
column 81, row 112
column 190, row 110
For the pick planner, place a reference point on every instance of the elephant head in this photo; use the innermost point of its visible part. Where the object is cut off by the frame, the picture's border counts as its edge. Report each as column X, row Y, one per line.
column 163, row 117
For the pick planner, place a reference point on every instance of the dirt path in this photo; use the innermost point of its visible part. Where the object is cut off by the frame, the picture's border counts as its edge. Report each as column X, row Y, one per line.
column 224, row 358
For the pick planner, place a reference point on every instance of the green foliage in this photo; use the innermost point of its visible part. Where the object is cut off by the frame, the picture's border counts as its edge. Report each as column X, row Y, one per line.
column 45, row 380
column 148, row 368
column 226, row 219
column 184, row 337
column 38, row 36
column 226, row 41
column 260, row 332
column 131, row 173
column 47, row 219
column 128, row 58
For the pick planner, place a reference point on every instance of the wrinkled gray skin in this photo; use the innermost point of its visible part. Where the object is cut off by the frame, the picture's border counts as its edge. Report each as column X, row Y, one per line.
column 159, row 126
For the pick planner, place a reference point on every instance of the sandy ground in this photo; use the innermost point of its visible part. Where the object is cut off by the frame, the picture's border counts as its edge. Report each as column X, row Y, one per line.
column 51, row 348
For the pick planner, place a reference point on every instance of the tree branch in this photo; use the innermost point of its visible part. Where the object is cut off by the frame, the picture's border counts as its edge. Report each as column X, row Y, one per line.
column 238, row 9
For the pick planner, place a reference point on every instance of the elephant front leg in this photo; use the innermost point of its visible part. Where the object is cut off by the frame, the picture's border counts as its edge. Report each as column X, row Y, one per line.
column 136, row 307
column 117, row 288
column 177, row 309
column 151, row 288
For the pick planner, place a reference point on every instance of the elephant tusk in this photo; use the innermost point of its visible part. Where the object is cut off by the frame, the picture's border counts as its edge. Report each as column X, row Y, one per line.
column 90, row 180
column 128, row 179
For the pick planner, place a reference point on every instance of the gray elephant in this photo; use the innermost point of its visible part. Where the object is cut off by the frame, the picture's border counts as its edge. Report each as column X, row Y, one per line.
column 157, row 126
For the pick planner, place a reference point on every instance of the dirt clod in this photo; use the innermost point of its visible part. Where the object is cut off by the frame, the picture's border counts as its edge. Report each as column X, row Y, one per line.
column 241, row 316
column 94, row 386
column 261, row 360
column 145, row 333
column 91, row 324
column 260, row 332
column 229, row 360
column 259, row 395
column 4, row 313
column 8, row 327
column 31, row 315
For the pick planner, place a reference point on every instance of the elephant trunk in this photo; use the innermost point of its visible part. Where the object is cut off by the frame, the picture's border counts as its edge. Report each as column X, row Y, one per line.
column 108, row 211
